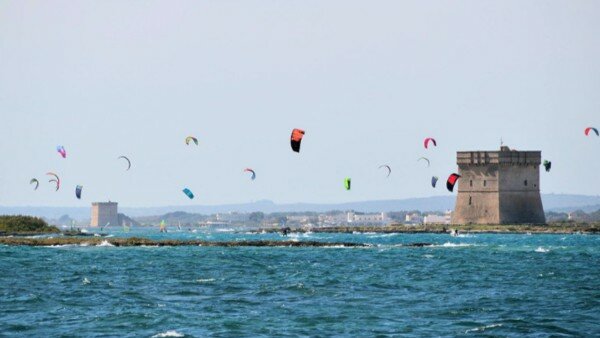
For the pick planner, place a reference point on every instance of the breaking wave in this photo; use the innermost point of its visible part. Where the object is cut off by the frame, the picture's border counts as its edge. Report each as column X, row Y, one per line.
column 170, row 333
column 205, row 280
column 104, row 243
column 483, row 328
column 453, row 245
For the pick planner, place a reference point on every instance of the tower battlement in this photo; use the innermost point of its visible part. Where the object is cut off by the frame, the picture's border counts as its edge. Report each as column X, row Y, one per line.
column 505, row 157
column 498, row 187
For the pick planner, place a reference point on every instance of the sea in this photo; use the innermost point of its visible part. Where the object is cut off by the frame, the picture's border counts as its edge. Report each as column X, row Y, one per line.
column 508, row 285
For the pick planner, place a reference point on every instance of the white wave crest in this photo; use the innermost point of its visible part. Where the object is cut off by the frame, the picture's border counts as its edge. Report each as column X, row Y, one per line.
column 542, row 250
column 104, row 243
column 205, row 280
column 483, row 328
column 170, row 333
column 383, row 235
column 453, row 245
column 300, row 235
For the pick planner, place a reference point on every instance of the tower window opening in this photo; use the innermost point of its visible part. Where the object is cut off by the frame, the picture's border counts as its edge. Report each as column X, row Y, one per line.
column 471, row 183
column 484, row 183
column 525, row 182
column 470, row 200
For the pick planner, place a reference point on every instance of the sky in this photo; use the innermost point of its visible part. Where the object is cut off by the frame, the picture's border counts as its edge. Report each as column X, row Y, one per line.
column 366, row 80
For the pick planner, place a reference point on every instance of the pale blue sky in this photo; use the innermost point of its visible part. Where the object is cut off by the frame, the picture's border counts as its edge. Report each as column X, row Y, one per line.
column 367, row 80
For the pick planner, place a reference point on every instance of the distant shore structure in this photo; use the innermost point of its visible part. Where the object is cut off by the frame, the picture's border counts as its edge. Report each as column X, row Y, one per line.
column 104, row 213
column 499, row 187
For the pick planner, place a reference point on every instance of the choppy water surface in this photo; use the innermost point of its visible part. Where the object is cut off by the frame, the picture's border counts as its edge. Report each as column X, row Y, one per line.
column 505, row 285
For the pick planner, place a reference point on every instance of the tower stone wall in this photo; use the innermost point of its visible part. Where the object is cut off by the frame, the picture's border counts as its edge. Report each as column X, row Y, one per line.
column 104, row 213
column 498, row 187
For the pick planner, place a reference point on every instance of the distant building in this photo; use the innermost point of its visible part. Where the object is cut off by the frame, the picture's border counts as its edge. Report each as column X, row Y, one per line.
column 437, row 219
column 498, row 187
column 413, row 218
column 302, row 219
column 378, row 218
column 232, row 217
column 104, row 213
column 335, row 219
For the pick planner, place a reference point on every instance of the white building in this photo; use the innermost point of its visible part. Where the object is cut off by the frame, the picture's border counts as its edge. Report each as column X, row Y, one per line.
column 379, row 218
column 437, row 219
column 334, row 219
column 302, row 219
column 231, row 217
column 413, row 218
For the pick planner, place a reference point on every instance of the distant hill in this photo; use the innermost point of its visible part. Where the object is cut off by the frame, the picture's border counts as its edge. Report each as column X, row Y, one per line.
column 552, row 202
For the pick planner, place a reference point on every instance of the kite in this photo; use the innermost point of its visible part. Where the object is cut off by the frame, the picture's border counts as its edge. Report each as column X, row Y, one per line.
column 251, row 171
column 347, row 183
column 126, row 159
column 388, row 168
column 191, row 138
column 296, row 139
column 188, row 192
column 427, row 140
column 61, row 150
column 55, row 180
column 37, row 183
column 434, row 180
column 426, row 159
column 547, row 165
column 588, row 129
column 78, row 191
column 452, row 181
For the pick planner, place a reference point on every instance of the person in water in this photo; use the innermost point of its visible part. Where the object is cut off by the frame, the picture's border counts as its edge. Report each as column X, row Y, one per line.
column 285, row 231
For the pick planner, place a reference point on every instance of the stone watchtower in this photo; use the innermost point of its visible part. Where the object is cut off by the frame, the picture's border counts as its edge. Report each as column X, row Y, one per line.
column 498, row 187
column 104, row 213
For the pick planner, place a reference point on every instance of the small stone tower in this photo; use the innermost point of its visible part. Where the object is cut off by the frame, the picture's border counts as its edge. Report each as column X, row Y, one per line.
column 104, row 213
column 498, row 187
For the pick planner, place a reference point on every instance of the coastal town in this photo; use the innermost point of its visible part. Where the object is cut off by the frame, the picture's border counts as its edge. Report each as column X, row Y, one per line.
column 335, row 218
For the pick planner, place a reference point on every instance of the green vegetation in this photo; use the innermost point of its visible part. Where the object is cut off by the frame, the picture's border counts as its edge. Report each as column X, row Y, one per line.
column 24, row 225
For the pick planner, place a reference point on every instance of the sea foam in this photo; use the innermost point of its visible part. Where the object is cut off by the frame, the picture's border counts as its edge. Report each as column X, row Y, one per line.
column 170, row 333
column 483, row 328
column 104, row 243
column 454, row 245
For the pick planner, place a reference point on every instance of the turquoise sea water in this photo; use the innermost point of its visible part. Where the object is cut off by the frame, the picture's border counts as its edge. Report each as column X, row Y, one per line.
column 498, row 285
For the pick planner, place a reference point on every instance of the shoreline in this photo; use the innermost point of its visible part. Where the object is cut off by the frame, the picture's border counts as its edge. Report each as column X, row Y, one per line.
column 138, row 241
column 593, row 229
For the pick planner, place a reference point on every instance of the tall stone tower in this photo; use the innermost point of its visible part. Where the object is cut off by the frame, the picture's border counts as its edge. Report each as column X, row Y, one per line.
column 498, row 187
column 104, row 213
